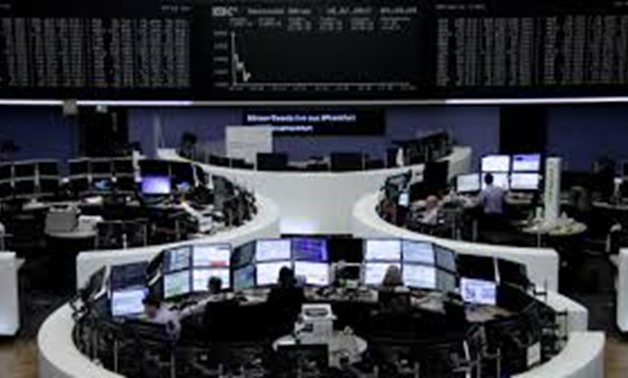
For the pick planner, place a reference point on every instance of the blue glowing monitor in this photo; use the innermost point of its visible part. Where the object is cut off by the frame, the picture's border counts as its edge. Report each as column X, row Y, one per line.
column 310, row 249
column 156, row 185
column 478, row 291
column 526, row 163
column 525, row 181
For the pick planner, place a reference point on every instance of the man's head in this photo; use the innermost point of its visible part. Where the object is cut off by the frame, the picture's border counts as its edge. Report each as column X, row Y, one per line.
column 431, row 202
column 488, row 179
column 214, row 285
column 151, row 306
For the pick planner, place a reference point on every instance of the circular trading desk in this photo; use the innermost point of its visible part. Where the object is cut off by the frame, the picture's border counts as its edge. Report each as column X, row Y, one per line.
column 265, row 224
column 321, row 202
column 542, row 263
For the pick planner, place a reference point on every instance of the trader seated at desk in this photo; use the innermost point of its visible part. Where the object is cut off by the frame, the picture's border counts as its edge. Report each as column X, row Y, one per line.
column 491, row 198
column 393, row 296
column 156, row 312
column 286, row 298
column 431, row 213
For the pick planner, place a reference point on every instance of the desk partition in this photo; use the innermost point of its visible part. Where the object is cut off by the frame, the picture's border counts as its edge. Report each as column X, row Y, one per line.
column 9, row 294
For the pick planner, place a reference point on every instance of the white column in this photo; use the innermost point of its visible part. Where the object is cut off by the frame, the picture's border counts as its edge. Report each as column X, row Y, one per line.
column 552, row 189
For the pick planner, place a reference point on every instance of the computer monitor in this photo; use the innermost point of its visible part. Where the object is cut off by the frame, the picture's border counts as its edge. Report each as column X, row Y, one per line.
column 525, row 181
column 445, row 281
column 79, row 184
column 273, row 249
column 346, row 249
column 419, row 276
column 48, row 186
column 526, row 163
column 211, row 255
column 243, row 255
column 267, row 273
column 272, row 162
column 478, row 291
column 374, row 272
column 177, row 259
column 418, row 252
column 496, row 163
column 102, row 185
column 382, row 250
column 123, row 166
column 345, row 162
column 156, row 185
column 200, row 278
column 48, row 168
column 154, row 167
column 127, row 275
column 6, row 172
column 315, row 274
column 25, row 188
column 177, row 284
column 6, row 189
column 78, row 167
column 101, row 167
column 24, row 170
column 513, row 273
column 470, row 183
column 182, row 175
column 445, row 258
column 128, row 302
column 499, row 179
column 244, row 278
column 126, row 184
column 477, row 267
column 310, row 249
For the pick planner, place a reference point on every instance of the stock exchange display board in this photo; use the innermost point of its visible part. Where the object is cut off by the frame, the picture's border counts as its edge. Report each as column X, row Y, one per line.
column 280, row 50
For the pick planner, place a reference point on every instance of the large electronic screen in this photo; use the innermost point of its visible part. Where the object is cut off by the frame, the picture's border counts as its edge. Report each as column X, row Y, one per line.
column 310, row 249
column 478, row 291
column 211, row 255
column 200, row 278
column 375, row 272
column 244, row 278
column 177, row 258
column 525, row 181
column 470, row 183
column 419, row 276
column 445, row 258
column 382, row 250
column 176, row 284
column 128, row 302
column 269, row 250
column 501, row 180
column 526, row 163
column 496, row 163
column 268, row 273
column 315, row 274
column 156, row 185
column 418, row 252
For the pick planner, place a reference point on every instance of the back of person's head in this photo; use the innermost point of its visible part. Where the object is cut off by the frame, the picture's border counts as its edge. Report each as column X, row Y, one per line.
column 152, row 304
column 431, row 202
column 214, row 285
column 488, row 179
column 392, row 278
column 286, row 277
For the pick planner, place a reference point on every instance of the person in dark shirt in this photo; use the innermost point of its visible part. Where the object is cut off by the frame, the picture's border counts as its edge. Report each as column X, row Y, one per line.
column 285, row 300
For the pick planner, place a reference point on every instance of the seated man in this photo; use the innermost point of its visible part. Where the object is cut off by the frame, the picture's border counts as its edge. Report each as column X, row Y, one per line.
column 431, row 213
column 492, row 197
column 156, row 312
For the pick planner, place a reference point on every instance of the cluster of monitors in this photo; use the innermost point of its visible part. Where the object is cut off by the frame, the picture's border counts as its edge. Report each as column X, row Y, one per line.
column 155, row 177
column 517, row 172
column 29, row 179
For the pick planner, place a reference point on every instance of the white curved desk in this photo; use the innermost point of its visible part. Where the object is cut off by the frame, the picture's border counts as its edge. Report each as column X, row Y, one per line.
column 320, row 202
column 621, row 289
column 264, row 225
column 9, row 294
column 542, row 263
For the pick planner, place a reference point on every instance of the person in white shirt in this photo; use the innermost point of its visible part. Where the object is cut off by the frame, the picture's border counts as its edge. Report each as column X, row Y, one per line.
column 156, row 312
column 431, row 212
column 492, row 197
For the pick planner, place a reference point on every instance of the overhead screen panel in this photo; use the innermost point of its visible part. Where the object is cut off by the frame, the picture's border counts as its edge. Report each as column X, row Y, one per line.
column 280, row 50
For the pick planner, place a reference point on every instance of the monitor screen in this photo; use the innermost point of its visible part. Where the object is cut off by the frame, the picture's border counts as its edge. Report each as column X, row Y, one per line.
column 200, row 278
column 25, row 188
column 24, row 170
column 176, row 284
column 6, row 171
column 513, row 273
column 496, row 163
column 243, row 255
column 211, row 255
column 310, row 249
column 404, row 199
column 315, row 274
column 79, row 185
column 346, row 249
column 526, row 163
column 48, row 186
column 417, row 252
column 374, row 272
column 79, row 167
column 177, row 259
column 525, row 181
column 128, row 302
column 478, row 291
column 126, row 275
column 244, row 278
column 100, row 167
column 123, row 166
column 445, row 258
column 156, row 185
column 6, row 189
column 102, row 185
column 268, row 273
column 383, row 250
column 477, row 267
column 419, row 276
column 269, row 250
column 499, row 179
column 48, row 168
column 126, row 184
column 445, row 282
column 468, row 183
